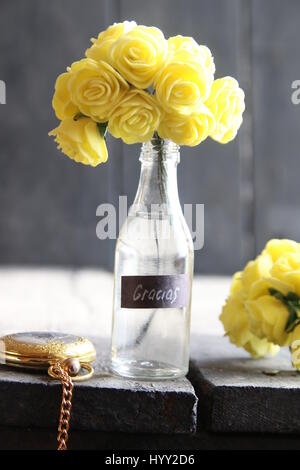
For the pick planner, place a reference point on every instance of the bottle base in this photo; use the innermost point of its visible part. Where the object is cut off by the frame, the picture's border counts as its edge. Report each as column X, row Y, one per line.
column 145, row 370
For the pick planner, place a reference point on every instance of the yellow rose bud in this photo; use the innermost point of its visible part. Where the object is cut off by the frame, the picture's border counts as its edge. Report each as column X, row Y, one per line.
column 186, row 129
column 275, row 248
column 295, row 347
column 81, row 141
column 62, row 104
column 226, row 102
column 136, row 118
column 186, row 49
column 235, row 321
column 98, row 51
column 268, row 317
column 138, row 55
column 182, row 86
column 96, row 88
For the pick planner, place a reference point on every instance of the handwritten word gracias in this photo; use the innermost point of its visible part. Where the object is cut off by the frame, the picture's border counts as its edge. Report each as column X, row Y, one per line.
column 140, row 293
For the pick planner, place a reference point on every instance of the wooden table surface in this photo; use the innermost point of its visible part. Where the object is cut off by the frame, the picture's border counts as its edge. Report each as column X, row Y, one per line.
column 225, row 392
column 80, row 301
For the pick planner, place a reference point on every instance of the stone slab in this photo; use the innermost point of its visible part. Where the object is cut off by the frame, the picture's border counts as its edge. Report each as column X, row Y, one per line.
column 236, row 395
column 104, row 403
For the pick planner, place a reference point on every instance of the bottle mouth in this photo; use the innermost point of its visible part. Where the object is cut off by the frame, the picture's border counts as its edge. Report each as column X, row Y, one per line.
column 160, row 149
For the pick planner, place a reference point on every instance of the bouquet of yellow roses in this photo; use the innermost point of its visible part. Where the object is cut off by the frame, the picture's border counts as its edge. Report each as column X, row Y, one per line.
column 134, row 83
column 262, row 311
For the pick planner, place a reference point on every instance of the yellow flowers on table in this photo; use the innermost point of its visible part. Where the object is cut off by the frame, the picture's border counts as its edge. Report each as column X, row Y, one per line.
column 264, row 302
column 236, row 324
column 136, row 83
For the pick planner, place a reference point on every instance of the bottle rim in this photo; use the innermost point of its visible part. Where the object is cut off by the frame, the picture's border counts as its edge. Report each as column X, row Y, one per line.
column 160, row 149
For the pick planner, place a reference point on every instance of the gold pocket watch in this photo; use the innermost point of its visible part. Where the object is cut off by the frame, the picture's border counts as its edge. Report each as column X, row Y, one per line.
column 64, row 356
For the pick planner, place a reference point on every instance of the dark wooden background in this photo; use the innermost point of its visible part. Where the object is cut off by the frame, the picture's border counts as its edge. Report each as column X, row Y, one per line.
column 250, row 187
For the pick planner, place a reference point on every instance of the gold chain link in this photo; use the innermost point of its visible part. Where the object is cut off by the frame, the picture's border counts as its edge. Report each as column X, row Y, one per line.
column 63, row 371
column 66, row 405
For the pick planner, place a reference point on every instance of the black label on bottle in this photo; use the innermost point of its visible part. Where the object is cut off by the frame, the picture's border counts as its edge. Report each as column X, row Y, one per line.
column 155, row 291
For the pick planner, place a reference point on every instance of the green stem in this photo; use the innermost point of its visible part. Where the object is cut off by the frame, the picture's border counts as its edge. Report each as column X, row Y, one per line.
column 161, row 170
column 292, row 303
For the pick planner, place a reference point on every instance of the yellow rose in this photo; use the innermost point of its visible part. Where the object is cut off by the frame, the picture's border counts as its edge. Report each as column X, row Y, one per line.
column 268, row 317
column 287, row 269
column 186, row 129
column 295, row 347
column 136, row 118
column 262, row 287
column 235, row 321
column 285, row 265
column 256, row 269
column 276, row 267
column 256, row 278
column 226, row 102
column 138, row 55
column 62, row 104
column 186, row 49
column 177, row 44
column 95, row 87
column 182, row 86
column 268, row 291
column 81, row 141
column 98, row 51
column 293, row 280
column 275, row 248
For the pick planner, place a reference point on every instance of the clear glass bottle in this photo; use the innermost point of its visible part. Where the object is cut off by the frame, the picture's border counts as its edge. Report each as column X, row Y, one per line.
column 154, row 262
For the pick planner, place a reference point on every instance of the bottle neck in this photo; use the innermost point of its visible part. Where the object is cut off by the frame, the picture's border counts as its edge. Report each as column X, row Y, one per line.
column 158, row 177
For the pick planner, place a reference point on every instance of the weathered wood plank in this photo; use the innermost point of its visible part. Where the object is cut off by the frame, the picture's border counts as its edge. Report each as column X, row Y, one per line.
column 104, row 403
column 236, row 395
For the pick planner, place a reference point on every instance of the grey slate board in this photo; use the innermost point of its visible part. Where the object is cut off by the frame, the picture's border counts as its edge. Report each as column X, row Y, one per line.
column 104, row 403
column 235, row 394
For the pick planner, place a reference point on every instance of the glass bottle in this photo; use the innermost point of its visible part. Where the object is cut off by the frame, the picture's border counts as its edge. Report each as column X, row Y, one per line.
column 154, row 262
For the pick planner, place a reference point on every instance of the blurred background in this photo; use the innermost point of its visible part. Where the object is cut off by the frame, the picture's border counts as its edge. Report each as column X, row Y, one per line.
column 250, row 187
